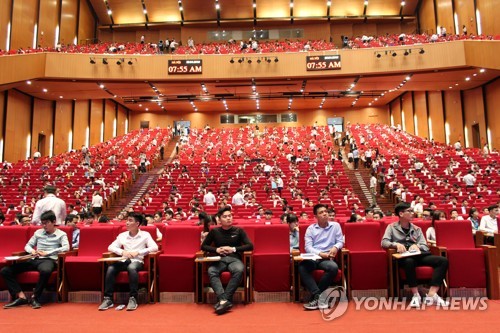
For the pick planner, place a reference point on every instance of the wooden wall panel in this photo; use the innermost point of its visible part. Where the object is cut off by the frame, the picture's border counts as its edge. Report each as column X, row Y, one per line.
column 42, row 124
column 81, row 122
column 454, row 116
column 420, row 112
column 69, row 12
column 474, row 114
column 488, row 12
column 407, row 108
column 466, row 15
column 304, row 117
column 121, row 121
column 2, row 112
column 369, row 29
column 109, row 119
column 492, row 103
column 436, row 115
column 48, row 20
column 445, row 15
column 24, row 17
column 396, row 113
column 63, row 127
column 86, row 23
column 427, row 17
column 17, row 126
column 95, row 121
column 5, row 9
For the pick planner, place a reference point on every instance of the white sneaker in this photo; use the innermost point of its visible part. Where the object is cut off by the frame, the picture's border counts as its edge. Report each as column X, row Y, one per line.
column 416, row 301
column 436, row 300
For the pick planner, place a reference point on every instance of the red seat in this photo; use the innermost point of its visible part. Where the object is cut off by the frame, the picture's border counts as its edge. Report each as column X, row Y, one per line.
column 469, row 267
column 366, row 258
column 176, row 261
column 13, row 239
column 93, row 243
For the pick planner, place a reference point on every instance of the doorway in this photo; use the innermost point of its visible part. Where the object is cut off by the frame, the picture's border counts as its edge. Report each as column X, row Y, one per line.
column 476, row 136
column 182, row 127
column 144, row 124
column 41, row 144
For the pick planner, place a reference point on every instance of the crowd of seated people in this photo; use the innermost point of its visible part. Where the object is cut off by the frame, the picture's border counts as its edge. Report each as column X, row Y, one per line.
column 456, row 181
column 79, row 175
column 247, row 46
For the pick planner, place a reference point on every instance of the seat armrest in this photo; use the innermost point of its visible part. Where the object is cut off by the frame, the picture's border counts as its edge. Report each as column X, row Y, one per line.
column 200, row 254
column 109, row 255
column 479, row 238
column 19, row 253
column 295, row 253
column 71, row 253
column 439, row 251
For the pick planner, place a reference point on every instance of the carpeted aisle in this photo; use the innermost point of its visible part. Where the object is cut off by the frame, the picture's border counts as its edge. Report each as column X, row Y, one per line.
column 254, row 318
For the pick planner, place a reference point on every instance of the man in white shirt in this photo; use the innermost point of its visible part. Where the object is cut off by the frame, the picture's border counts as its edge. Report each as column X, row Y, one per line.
column 238, row 199
column 50, row 202
column 457, row 145
column 489, row 223
column 209, row 198
column 469, row 179
column 132, row 245
column 97, row 203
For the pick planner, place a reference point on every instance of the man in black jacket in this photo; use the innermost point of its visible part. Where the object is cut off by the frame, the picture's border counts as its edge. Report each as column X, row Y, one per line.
column 228, row 242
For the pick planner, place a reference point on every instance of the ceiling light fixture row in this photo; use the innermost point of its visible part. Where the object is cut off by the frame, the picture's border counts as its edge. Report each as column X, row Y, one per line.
column 394, row 53
column 322, row 103
column 106, row 61
column 249, row 60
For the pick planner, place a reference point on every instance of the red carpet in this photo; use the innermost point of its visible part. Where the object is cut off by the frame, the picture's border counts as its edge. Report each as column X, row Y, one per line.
column 262, row 317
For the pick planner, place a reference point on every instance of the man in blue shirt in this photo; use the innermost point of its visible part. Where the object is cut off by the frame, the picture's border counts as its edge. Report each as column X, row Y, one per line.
column 324, row 239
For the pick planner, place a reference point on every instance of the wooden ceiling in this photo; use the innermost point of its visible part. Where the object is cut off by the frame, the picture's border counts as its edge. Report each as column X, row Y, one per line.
column 273, row 95
column 139, row 12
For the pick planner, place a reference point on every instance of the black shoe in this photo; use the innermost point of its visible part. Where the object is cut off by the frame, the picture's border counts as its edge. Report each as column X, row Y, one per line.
column 216, row 305
column 15, row 303
column 223, row 307
column 35, row 304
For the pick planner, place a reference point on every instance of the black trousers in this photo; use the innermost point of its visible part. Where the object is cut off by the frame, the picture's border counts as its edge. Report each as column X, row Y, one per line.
column 44, row 266
column 409, row 264
column 132, row 267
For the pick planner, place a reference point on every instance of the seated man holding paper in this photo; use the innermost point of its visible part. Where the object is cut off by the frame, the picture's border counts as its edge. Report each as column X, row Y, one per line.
column 42, row 248
column 323, row 239
column 409, row 240
column 132, row 246
column 228, row 242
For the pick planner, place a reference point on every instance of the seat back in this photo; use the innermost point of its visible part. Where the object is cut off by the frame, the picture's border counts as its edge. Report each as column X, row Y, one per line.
column 454, row 235
column 12, row 239
column 362, row 236
column 272, row 239
column 424, row 225
column 181, row 239
column 95, row 241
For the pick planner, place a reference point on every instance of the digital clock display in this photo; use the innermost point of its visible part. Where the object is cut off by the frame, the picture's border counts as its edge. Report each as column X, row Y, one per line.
column 185, row 67
column 323, row 63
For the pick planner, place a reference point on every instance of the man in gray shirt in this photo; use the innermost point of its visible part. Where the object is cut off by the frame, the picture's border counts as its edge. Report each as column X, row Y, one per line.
column 44, row 246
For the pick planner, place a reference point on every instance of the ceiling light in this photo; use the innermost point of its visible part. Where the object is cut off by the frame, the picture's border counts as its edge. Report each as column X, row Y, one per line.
column 482, row 70
column 403, row 3
column 450, row 87
column 147, row 109
column 109, row 12
column 408, row 78
column 145, row 11
column 467, row 78
column 140, row 105
column 217, row 6
column 101, row 86
column 328, row 3
column 28, row 82
column 254, row 5
column 60, row 97
column 44, row 90
column 366, row 3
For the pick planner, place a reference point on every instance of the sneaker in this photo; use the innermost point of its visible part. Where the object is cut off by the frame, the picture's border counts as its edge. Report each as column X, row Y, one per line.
column 416, row 301
column 15, row 303
column 132, row 304
column 106, row 304
column 436, row 300
column 313, row 304
column 223, row 307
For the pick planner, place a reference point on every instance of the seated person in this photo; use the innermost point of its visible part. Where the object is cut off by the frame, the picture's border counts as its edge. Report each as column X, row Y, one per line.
column 293, row 224
column 405, row 236
column 489, row 223
column 133, row 245
column 49, row 242
column 324, row 239
column 229, row 242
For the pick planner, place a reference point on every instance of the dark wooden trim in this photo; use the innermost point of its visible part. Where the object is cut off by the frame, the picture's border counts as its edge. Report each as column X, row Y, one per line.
column 73, row 108
column 59, row 22
column 415, row 130
column 77, row 28
column 115, row 128
column 485, row 110
column 417, row 14
column 37, row 24
column 475, row 20
column 32, row 116
column 4, row 127
column 390, row 115
column 54, row 112
column 89, row 116
column 10, row 21
column 103, row 124
column 401, row 112
column 435, row 14
column 444, row 115
column 94, row 14
column 454, row 22
column 128, row 121
column 462, row 111
column 428, row 115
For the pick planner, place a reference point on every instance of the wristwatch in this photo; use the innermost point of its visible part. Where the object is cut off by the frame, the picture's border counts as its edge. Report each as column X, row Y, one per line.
column 234, row 249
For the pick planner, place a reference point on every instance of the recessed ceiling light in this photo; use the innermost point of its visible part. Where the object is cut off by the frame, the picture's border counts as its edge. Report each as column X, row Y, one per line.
column 60, row 97
column 450, row 87
column 456, row 84
column 475, row 74
column 140, row 105
column 147, row 109
column 101, row 86
column 482, row 70
column 467, row 78
column 45, row 90
column 407, row 78
column 28, row 82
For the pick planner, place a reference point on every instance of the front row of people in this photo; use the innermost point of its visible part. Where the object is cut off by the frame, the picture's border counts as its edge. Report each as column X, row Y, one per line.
column 322, row 238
